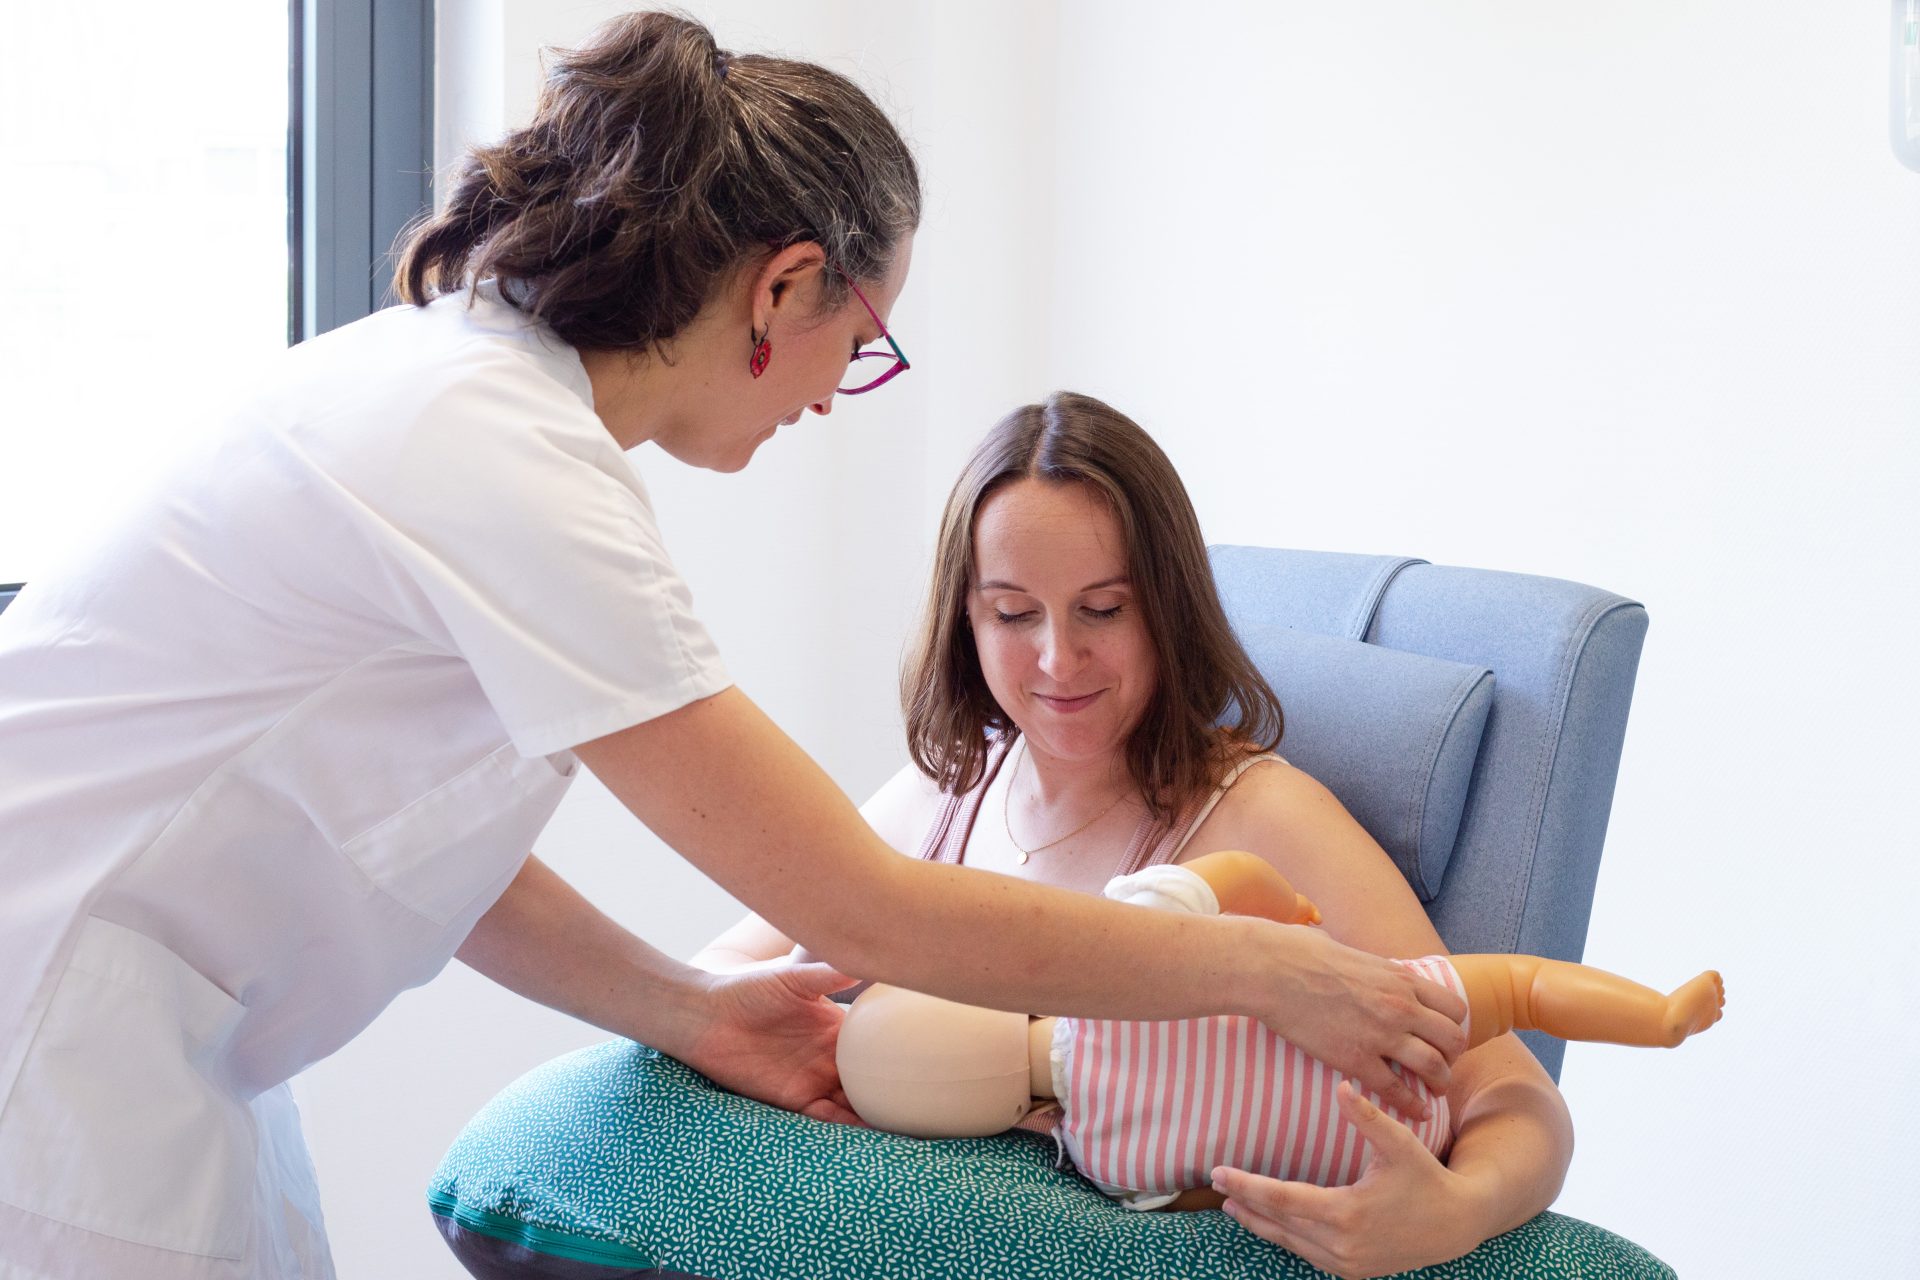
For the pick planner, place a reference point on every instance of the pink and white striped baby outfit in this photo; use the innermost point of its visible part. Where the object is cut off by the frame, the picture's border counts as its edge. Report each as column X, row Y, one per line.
column 1150, row 1108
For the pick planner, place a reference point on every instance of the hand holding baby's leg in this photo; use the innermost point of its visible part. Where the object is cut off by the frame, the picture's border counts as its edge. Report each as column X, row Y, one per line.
column 1578, row 1002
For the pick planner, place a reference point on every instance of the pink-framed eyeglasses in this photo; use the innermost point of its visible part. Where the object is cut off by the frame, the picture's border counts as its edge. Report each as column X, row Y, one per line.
column 896, row 359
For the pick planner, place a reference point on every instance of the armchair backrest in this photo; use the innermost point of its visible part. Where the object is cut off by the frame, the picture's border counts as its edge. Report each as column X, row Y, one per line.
column 1563, row 656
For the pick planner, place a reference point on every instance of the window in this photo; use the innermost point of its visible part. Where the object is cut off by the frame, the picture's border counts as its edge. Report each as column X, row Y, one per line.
column 364, row 143
column 189, row 189
column 1904, row 95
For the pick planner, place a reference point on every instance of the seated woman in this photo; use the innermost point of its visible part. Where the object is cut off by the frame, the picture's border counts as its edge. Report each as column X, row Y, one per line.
column 1078, row 708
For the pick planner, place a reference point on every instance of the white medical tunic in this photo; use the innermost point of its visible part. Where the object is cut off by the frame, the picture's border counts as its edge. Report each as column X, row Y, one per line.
column 271, row 745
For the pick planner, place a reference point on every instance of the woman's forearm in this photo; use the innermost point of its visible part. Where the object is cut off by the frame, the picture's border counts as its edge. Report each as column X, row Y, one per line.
column 991, row 940
column 1513, row 1143
column 722, row 785
column 542, row 940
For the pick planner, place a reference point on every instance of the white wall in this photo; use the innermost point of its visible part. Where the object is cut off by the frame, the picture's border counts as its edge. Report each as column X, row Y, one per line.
column 1628, row 294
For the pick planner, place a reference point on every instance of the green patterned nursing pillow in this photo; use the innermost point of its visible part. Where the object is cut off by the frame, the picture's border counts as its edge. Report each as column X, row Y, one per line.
column 617, row 1159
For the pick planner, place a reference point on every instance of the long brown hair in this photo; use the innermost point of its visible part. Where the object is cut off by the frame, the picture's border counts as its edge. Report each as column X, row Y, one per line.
column 1205, row 677
column 655, row 165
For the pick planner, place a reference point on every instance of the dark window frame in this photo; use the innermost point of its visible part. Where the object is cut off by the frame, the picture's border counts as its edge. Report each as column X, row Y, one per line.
column 1900, row 106
column 359, row 152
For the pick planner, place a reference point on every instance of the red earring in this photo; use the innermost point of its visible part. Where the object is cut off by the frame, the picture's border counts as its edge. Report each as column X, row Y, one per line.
column 762, row 352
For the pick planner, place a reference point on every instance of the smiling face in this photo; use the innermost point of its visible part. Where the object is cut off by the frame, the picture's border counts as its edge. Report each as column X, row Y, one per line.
column 1055, row 621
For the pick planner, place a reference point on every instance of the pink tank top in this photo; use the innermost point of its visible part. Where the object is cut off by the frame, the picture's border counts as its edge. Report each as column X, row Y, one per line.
column 1151, row 1107
column 1153, row 843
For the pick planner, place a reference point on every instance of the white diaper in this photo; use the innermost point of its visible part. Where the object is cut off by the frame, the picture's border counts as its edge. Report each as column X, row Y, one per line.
column 1168, row 887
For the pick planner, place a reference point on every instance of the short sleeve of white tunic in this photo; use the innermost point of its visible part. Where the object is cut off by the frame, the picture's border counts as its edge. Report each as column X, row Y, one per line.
column 495, row 515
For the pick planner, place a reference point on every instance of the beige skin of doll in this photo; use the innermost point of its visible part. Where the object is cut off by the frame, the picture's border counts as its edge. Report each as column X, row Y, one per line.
column 930, row 1068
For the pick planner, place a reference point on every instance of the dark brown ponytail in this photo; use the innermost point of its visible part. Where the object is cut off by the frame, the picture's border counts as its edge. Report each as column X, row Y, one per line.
column 654, row 165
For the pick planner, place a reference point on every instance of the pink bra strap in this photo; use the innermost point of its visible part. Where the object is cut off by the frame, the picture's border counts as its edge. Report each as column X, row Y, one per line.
column 935, row 840
column 1156, row 840
column 946, row 839
column 1141, row 846
column 1155, row 843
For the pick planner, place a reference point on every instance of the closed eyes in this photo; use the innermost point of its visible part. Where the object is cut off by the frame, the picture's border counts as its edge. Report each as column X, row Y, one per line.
column 1104, row 615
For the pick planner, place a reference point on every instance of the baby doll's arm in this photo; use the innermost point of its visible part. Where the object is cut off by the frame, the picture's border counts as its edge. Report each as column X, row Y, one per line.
column 1248, row 885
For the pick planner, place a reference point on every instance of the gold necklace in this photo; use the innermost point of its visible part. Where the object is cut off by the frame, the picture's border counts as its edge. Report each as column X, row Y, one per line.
column 1006, row 813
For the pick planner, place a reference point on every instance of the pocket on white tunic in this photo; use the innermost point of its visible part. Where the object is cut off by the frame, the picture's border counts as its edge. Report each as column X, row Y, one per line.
column 115, row 1124
column 437, row 853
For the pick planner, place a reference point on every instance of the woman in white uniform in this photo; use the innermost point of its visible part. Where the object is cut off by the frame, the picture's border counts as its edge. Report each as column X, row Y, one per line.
column 274, row 747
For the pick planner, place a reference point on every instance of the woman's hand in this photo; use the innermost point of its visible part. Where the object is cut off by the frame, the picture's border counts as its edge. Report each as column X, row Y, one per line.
column 1357, row 1013
column 770, row 1035
column 1407, row 1210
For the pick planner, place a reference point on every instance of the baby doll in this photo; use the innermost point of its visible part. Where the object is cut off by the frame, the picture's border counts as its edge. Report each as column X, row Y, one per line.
column 1146, row 1110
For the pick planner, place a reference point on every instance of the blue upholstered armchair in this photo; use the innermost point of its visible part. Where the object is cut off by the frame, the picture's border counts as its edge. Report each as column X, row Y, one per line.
column 1471, row 720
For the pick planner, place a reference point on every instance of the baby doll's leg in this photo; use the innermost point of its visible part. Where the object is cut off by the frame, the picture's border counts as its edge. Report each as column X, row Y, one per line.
column 1577, row 1002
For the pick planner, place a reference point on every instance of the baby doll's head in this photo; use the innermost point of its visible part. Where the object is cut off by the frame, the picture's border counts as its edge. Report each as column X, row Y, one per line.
column 929, row 1068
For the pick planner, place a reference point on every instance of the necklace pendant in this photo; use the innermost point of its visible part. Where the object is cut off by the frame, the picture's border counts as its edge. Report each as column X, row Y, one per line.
column 1023, row 856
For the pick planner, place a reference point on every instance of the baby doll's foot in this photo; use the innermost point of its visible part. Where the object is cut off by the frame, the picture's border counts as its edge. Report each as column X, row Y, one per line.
column 1694, row 1007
